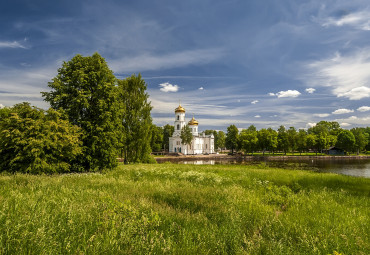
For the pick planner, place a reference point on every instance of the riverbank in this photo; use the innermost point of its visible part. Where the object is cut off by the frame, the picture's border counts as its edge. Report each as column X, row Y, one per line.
column 185, row 209
column 175, row 158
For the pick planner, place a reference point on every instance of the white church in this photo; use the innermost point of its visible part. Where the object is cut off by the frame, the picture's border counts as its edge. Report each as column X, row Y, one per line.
column 201, row 143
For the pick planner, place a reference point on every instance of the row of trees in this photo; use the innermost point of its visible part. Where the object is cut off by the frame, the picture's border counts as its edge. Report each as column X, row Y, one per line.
column 318, row 138
column 93, row 117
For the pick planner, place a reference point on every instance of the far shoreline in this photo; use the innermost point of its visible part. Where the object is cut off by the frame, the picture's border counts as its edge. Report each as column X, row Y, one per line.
column 256, row 157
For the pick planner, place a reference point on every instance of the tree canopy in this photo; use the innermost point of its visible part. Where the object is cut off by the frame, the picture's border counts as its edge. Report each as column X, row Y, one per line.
column 36, row 141
column 84, row 92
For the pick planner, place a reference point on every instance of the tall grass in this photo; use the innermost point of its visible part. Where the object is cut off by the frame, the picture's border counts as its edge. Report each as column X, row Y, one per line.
column 185, row 209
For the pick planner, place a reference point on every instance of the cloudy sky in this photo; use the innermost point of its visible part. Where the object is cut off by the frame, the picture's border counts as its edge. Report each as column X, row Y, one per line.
column 266, row 63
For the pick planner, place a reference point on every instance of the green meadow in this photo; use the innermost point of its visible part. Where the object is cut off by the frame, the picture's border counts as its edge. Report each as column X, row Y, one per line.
column 185, row 209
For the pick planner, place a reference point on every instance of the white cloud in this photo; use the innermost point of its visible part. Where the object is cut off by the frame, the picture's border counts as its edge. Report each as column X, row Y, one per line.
column 356, row 93
column 271, row 94
column 310, row 124
column 348, row 76
column 322, row 115
column 288, row 93
column 168, row 87
column 257, row 116
column 254, row 102
column 310, row 90
column 342, row 111
column 201, row 88
column 353, row 118
column 345, row 124
column 359, row 20
column 363, row 109
column 15, row 44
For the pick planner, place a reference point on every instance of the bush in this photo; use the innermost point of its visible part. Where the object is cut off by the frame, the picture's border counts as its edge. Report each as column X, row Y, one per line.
column 35, row 141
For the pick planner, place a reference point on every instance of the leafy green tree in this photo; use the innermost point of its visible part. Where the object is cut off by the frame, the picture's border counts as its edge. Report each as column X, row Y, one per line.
column 221, row 140
column 292, row 139
column 167, row 133
column 249, row 140
column 35, row 141
column 346, row 140
column 84, row 92
column 367, row 131
column 215, row 136
column 136, row 121
column 361, row 139
column 186, row 135
column 311, row 140
column 283, row 142
column 157, row 138
column 272, row 139
column 231, row 140
column 301, row 141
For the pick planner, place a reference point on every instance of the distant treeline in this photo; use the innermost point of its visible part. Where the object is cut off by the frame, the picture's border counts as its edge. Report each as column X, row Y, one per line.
column 318, row 139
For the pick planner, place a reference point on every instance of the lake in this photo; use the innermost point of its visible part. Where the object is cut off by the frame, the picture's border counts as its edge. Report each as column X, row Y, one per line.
column 353, row 167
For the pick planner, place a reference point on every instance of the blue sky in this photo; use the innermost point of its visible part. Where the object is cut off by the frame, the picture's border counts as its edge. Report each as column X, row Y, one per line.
column 266, row 63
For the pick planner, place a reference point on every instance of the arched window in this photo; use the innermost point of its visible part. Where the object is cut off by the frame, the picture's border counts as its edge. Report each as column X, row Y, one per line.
column 178, row 127
column 178, row 117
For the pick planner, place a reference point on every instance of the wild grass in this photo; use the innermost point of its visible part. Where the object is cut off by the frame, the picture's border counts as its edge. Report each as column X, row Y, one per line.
column 185, row 209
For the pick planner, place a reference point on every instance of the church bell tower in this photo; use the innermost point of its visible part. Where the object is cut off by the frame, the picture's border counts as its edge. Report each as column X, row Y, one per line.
column 179, row 120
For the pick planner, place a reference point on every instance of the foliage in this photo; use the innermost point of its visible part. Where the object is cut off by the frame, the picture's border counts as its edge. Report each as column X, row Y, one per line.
column 301, row 140
column 346, row 140
column 249, row 140
column 84, row 91
column 35, row 141
column 231, row 140
column 221, row 141
column 157, row 138
column 167, row 133
column 186, row 135
column 185, row 209
column 283, row 142
column 136, row 121
column 361, row 138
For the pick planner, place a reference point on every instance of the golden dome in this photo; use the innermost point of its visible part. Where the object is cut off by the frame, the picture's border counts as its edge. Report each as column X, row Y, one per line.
column 180, row 109
column 193, row 122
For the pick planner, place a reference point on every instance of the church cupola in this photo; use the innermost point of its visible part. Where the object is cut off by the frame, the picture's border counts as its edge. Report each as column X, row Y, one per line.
column 193, row 125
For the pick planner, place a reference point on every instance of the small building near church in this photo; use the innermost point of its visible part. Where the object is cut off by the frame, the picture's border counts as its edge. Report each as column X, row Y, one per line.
column 201, row 143
column 335, row 151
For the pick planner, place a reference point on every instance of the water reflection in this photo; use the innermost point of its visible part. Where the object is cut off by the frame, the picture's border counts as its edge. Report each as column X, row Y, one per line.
column 353, row 167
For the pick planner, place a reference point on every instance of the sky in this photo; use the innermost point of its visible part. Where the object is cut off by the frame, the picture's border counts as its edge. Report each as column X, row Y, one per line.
column 265, row 63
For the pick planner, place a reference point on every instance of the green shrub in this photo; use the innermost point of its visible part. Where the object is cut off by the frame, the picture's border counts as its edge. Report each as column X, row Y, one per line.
column 35, row 141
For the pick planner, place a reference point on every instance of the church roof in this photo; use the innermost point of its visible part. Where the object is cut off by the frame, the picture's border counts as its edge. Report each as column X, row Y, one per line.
column 193, row 122
column 180, row 109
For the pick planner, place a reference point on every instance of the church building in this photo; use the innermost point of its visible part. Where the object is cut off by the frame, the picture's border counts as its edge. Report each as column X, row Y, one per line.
column 201, row 143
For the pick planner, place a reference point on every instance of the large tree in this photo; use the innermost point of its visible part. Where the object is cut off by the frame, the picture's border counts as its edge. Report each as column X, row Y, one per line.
column 136, row 121
column 248, row 139
column 232, row 138
column 346, row 140
column 301, row 141
column 361, row 138
column 84, row 92
column 283, row 141
column 221, row 140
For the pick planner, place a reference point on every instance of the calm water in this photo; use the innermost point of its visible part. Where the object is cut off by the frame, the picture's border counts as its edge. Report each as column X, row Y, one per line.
column 353, row 167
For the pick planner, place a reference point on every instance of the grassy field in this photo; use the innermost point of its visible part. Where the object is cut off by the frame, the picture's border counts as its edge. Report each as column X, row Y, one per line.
column 185, row 209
